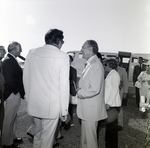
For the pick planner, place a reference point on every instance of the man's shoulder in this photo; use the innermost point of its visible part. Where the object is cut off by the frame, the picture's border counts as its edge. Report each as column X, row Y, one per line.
column 8, row 59
column 49, row 51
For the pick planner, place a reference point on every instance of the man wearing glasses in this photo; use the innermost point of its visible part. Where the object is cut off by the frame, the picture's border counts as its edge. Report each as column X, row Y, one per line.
column 46, row 82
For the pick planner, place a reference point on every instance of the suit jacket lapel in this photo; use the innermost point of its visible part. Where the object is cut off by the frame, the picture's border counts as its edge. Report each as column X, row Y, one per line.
column 88, row 66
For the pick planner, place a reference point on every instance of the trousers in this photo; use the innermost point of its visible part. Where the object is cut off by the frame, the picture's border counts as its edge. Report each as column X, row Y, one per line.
column 11, row 106
column 45, row 130
column 89, row 134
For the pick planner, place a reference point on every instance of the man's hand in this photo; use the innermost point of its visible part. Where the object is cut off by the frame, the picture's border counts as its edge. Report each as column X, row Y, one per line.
column 107, row 106
column 124, row 95
column 64, row 118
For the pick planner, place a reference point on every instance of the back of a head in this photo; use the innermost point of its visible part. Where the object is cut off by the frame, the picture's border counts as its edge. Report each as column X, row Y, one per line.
column 13, row 46
column 53, row 36
column 94, row 45
column 112, row 63
column 140, row 60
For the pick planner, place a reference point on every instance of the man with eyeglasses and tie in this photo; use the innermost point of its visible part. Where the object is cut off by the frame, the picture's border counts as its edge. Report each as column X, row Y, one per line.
column 46, row 82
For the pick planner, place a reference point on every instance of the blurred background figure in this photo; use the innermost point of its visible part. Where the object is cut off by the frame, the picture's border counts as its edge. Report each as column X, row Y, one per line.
column 112, row 102
column 144, row 79
column 123, row 89
column 137, row 70
column 13, row 92
column 2, row 54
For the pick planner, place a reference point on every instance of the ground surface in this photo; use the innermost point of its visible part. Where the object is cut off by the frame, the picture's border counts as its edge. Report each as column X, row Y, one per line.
column 132, row 136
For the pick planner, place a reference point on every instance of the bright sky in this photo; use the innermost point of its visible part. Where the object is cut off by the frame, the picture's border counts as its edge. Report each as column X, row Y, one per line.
column 116, row 25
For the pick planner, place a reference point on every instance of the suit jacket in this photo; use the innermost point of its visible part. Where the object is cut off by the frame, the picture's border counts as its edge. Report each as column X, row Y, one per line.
column 46, row 82
column 137, row 70
column 91, row 104
column 13, row 77
column 73, row 80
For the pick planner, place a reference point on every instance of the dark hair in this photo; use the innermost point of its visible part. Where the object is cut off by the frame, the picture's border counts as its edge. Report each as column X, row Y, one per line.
column 53, row 36
column 112, row 63
column 71, row 58
column 141, row 58
column 99, row 55
column 94, row 46
column 13, row 46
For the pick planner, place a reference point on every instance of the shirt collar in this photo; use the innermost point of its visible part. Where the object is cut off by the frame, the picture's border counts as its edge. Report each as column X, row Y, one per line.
column 90, row 59
column 12, row 55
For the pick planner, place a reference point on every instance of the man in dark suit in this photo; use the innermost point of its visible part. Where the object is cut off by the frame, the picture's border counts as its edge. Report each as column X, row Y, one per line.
column 137, row 70
column 2, row 54
column 13, row 92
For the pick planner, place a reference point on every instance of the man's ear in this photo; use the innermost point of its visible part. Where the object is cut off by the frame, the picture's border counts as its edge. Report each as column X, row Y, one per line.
column 57, row 41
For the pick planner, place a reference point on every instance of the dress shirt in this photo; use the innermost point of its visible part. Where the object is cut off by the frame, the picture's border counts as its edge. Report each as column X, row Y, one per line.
column 87, row 66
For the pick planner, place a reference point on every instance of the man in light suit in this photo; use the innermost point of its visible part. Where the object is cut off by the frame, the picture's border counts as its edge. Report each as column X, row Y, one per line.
column 13, row 92
column 46, row 82
column 91, row 105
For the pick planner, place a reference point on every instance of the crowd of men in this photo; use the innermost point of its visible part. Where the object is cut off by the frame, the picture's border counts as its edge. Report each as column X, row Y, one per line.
column 44, row 83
